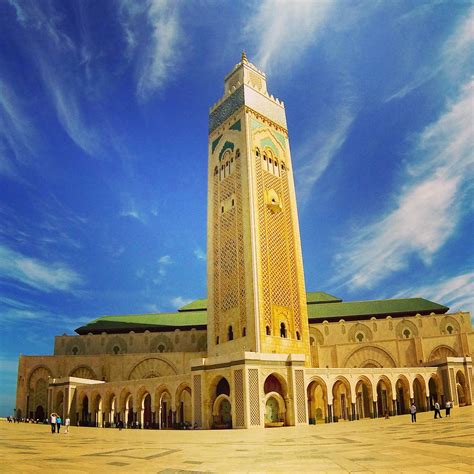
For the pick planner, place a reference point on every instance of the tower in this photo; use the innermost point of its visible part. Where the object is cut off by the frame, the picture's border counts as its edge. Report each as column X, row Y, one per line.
column 256, row 293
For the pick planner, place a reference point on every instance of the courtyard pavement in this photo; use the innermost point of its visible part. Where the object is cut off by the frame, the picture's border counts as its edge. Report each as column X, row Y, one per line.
column 385, row 446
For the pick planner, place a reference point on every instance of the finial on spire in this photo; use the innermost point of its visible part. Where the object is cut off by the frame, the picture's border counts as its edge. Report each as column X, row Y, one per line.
column 244, row 56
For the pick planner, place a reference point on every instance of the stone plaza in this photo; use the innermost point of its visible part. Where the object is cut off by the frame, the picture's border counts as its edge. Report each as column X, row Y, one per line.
column 372, row 445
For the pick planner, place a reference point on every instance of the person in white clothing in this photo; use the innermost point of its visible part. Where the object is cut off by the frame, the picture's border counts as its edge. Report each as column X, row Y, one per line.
column 53, row 422
column 413, row 412
column 67, row 423
column 437, row 410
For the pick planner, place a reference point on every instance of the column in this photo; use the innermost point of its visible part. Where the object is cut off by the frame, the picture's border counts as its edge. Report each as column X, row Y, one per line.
column 353, row 411
column 394, row 409
column 375, row 409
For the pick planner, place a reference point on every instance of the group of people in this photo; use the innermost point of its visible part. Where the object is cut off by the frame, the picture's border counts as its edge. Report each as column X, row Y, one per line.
column 437, row 410
column 56, row 422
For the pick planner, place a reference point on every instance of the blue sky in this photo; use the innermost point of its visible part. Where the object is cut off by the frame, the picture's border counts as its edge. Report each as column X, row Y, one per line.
column 103, row 151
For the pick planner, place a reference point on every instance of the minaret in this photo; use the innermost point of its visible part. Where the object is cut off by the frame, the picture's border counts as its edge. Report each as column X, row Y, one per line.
column 256, row 292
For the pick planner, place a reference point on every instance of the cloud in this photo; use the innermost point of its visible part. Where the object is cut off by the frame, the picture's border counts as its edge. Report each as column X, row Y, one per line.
column 455, row 56
column 457, row 292
column 160, row 55
column 317, row 153
column 199, row 254
column 164, row 262
column 428, row 207
column 41, row 275
column 282, row 31
column 18, row 137
column 179, row 301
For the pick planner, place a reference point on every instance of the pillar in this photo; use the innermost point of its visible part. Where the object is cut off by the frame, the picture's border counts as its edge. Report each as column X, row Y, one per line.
column 353, row 411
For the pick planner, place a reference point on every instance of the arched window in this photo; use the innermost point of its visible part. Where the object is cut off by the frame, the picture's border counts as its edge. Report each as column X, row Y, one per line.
column 450, row 329
column 406, row 333
column 311, row 341
column 75, row 350
column 237, row 154
column 217, row 340
column 298, row 335
column 282, row 330
column 360, row 337
column 267, row 331
column 244, row 332
column 257, row 152
column 282, row 166
column 230, row 334
column 116, row 350
column 216, row 171
column 161, row 348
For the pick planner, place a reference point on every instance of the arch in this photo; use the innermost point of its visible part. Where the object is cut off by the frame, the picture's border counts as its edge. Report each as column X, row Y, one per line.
column 341, row 393
column 38, row 382
column 165, row 406
column 435, row 387
column 406, row 325
column 84, row 409
column 275, row 409
column 184, row 404
column 369, row 356
column 364, row 397
column 419, row 393
column 449, row 326
column 317, row 398
column 97, row 408
column 83, row 372
column 59, row 403
column 461, row 389
column 39, row 372
column 318, row 335
column 275, row 382
column 116, row 345
column 221, row 412
column 402, row 395
column 441, row 352
column 384, row 396
column 358, row 330
column 161, row 343
column 152, row 367
column 77, row 343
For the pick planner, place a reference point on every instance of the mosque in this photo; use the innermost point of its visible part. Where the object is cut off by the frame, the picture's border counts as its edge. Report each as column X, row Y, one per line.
column 260, row 351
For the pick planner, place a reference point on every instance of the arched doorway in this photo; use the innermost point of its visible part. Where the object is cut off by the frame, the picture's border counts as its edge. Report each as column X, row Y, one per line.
column 402, row 391
column 275, row 391
column 146, row 420
column 384, row 397
column 98, row 412
column 317, row 402
column 184, row 406
column 419, row 394
column 221, row 405
column 165, row 413
column 341, row 393
column 129, row 418
column 461, row 389
column 364, row 398
column 435, row 395
column 59, row 405
column 85, row 411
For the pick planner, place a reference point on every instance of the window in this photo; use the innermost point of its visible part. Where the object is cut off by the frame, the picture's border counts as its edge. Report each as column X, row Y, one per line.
column 267, row 331
column 116, row 350
column 222, row 209
column 282, row 330
column 298, row 335
column 257, row 152
column 217, row 340
column 406, row 333
column 360, row 337
column 450, row 329
column 161, row 348
column 244, row 332
column 216, row 171
column 237, row 154
column 230, row 334
column 311, row 341
column 283, row 166
column 75, row 350
column 233, row 202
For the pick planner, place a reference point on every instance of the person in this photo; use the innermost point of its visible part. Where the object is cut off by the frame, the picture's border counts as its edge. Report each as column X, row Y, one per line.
column 53, row 422
column 448, row 408
column 58, row 423
column 413, row 412
column 437, row 410
column 67, row 423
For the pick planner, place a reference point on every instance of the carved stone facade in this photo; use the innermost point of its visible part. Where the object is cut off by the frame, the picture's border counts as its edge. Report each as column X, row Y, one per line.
column 260, row 352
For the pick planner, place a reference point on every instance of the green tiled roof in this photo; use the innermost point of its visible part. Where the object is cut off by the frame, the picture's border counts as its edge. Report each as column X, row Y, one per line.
column 197, row 305
column 356, row 309
column 321, row 306
column 318, row 297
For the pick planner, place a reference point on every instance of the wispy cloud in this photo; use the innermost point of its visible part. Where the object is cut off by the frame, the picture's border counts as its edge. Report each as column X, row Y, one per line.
column 457, row 292
column 199, row 254
column 428, row 207
column 454, row 56
column 282, row 31
column 180, row 301
column 18, row 137
column 315, row 156
column 160, row 56
column 163, row 263
column 34, row 273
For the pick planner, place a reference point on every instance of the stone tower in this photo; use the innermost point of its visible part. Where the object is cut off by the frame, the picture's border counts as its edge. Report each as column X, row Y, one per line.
column 256, row 292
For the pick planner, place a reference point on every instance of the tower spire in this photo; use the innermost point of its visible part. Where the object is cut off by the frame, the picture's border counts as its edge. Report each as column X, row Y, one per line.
column 244, row 57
